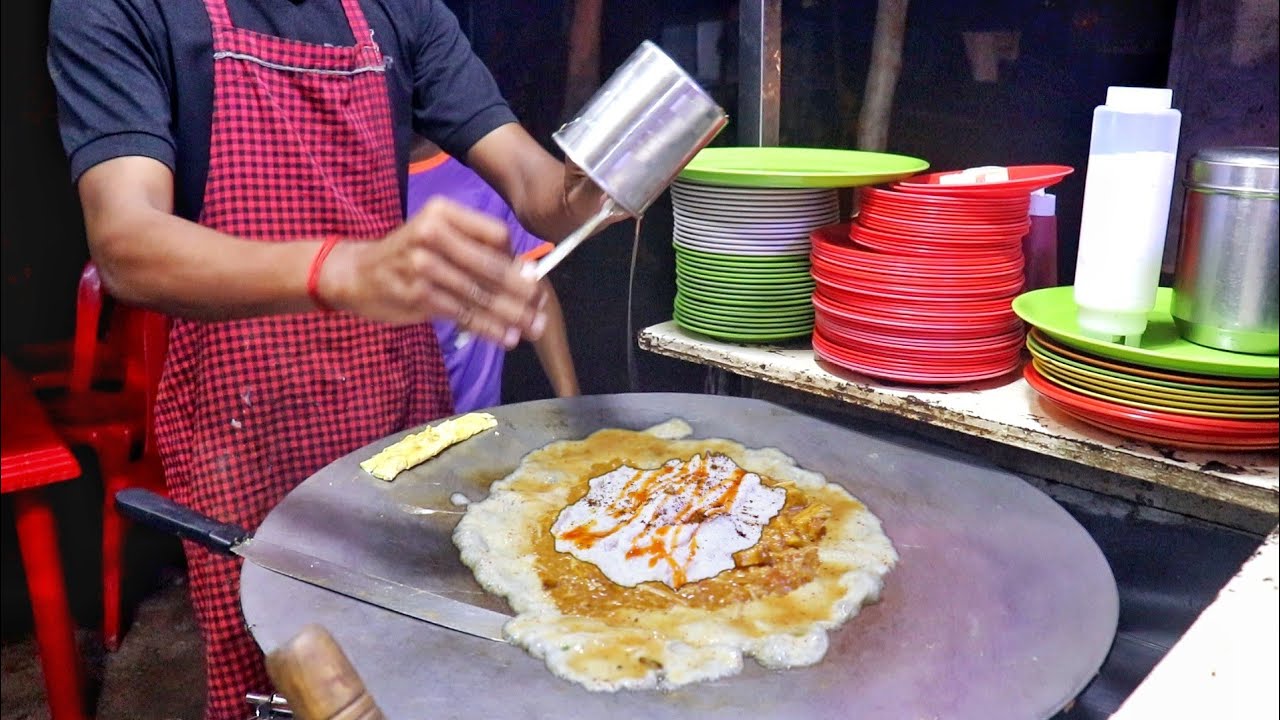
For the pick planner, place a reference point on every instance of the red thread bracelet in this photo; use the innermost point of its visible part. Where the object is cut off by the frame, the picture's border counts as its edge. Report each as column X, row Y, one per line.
column 313, row 276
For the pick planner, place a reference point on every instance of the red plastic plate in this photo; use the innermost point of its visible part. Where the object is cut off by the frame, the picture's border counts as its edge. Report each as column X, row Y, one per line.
column 845, row 250
column 922, row 282
column 994, row 343
column 960, row 203
column 935, row 308
column 902, row 291
column 877, row 261
column 1023, row 179
column 953, row 243
column 989, row 232
column 1173, row 438
column 902, row 373
column 968, row 220
column 1149, row 421
column 869, row 320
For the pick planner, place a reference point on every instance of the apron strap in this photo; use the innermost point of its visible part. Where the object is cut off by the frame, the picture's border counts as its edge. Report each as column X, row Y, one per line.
column 219, row 17
column 356, row 21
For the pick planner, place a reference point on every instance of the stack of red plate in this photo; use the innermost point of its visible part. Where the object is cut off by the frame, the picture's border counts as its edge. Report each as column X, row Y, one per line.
column 919, row 289
column 933, row 316
column 915, row 223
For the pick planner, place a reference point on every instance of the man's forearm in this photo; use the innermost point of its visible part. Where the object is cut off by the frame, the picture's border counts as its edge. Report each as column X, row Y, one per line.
column 149, row 257
column 539, row 199
column 531, row 181
column 152, row 259
column 445, row 261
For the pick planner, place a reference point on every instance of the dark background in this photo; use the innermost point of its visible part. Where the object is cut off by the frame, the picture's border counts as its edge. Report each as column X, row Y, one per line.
column 1039, row 111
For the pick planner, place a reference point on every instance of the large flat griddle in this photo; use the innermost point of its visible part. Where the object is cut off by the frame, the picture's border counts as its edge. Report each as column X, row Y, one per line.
column 1002, row 606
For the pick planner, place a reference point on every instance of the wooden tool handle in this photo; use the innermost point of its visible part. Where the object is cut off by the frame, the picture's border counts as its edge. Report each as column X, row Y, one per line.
column 317, row 679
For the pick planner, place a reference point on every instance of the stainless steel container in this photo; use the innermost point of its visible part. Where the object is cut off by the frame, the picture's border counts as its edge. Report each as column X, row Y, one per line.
column 641, row 128
column 1228, row 272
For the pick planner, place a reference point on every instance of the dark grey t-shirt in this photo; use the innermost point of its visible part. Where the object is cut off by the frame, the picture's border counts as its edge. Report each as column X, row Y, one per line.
column 135, row 77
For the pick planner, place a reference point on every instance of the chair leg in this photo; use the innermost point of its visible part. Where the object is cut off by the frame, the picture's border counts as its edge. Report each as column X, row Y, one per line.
column 112, row 462
column 113, row 458
column 55, row 630
column 113, row 530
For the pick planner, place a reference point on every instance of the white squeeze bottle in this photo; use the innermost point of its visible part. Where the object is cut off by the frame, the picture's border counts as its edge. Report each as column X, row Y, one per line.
column 1126, row 211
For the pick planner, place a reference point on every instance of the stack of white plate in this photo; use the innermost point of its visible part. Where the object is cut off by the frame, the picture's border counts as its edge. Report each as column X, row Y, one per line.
column 742, row 259
column 750, row 221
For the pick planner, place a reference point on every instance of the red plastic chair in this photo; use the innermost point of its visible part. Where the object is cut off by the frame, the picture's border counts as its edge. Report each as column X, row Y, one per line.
column 113, row 423
column 152, row 331
column 48, row 365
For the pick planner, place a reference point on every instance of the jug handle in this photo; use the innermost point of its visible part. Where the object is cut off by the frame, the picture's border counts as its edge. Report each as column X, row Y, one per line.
column 574, row 239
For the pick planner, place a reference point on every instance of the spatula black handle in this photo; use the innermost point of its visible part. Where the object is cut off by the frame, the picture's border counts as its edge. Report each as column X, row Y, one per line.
column 160, row 513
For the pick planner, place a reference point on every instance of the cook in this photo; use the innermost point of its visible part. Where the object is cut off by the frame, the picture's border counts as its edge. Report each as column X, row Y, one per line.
column 241, row 168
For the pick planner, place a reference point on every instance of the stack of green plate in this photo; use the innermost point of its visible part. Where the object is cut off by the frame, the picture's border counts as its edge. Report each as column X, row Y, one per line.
column 748, row 298
column 1164, row 390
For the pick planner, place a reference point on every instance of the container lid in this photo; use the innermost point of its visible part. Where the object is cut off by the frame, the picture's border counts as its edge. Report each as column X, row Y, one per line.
column 1139, row 99
column 1241, row 169
column 1043, row 204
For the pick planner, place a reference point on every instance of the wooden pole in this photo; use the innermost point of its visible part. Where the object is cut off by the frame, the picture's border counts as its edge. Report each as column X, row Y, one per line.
column 759, row 72
column 583, row 75
column 882, row 76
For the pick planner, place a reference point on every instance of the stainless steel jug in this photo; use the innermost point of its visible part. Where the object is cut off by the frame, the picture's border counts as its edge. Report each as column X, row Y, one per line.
column 635, row 135
column 1227, row 279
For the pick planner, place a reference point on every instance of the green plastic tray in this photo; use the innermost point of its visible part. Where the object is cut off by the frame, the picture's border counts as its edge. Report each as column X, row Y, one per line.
column 1053, row 310
column 795, row 167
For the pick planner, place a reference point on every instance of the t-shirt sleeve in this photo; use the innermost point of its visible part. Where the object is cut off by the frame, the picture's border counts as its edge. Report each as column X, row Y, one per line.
column 524, row 243
column 113, row 99
column 455, row 99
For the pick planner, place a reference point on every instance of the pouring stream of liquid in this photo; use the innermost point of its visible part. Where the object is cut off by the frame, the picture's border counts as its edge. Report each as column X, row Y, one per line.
column 566, row 246
column 574, row 239
column 633, row 373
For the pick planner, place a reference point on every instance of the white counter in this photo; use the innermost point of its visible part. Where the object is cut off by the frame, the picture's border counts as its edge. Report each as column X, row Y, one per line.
column 1227, row 663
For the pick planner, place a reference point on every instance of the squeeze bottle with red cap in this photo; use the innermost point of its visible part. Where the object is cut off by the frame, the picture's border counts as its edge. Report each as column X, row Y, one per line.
column 1126, row 211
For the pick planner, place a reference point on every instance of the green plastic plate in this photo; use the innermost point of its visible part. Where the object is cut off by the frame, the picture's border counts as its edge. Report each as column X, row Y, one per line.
column 757, row 276
column 1089, row 389
column 1161, row 385
column 755, row 317
column 795, row 167
column 801, row 300
column 738, row 335
column 754, row 278
column 712, row 308
column 1244, row 405
column 735, row 290
column 742, row 261
column 1053, row 310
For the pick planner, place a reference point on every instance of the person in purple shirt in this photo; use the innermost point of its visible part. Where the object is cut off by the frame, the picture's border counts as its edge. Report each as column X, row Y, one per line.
column 474, row 364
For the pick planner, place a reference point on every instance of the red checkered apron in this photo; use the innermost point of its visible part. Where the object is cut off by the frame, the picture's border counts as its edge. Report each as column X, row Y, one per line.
column 301, row 146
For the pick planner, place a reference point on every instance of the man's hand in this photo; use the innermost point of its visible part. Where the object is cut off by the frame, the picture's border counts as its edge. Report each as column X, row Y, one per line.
column 551, row 198
column 447, row 261
column 582, row 197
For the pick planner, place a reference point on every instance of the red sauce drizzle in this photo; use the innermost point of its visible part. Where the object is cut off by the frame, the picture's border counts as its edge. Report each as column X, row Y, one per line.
column 655, row 542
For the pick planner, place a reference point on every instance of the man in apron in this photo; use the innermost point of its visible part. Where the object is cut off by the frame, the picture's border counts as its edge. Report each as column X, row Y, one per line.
column 240, row 164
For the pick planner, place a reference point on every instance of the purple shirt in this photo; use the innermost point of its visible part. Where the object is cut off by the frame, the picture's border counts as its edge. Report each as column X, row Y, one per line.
column 475, row 366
